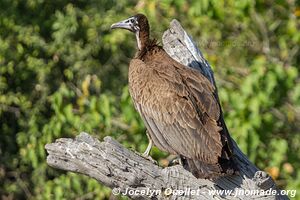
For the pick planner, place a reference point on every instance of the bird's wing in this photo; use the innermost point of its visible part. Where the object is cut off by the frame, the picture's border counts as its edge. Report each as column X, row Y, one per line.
column 178, row 107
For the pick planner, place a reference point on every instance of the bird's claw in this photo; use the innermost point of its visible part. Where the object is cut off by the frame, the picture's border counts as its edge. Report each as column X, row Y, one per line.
column 148, row 157
column 175, row 161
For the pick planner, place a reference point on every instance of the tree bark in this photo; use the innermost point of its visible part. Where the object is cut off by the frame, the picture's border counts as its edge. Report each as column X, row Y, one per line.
column 128, row 172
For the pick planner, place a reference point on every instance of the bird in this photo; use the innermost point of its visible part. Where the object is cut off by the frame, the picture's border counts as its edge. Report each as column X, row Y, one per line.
column 178, row 105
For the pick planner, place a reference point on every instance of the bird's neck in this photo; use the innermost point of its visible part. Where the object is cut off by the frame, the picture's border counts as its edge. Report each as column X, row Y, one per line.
column 143, row 39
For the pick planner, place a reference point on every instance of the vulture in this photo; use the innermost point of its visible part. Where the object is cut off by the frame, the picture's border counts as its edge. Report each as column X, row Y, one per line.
column 178, row 105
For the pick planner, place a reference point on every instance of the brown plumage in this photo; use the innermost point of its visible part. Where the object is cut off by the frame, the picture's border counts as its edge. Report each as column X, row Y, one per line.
column 178, row 105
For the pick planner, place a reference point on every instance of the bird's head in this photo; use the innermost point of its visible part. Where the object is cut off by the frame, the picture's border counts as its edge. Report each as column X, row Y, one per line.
column 137, row 24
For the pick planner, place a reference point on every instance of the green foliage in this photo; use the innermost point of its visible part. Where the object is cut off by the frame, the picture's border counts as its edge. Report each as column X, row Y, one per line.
column 62, row 71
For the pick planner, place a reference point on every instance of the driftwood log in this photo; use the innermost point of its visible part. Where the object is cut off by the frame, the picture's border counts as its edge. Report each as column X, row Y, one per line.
column 128, row 173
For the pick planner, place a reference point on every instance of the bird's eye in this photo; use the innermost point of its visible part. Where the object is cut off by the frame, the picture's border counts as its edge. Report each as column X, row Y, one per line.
column 132, row 21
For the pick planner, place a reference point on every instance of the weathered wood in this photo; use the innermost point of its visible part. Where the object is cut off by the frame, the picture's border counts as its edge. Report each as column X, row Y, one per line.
column 181, row 47
column 121, row 169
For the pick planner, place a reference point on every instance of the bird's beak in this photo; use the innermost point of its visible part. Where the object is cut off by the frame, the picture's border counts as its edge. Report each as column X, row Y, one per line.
column 125, row 24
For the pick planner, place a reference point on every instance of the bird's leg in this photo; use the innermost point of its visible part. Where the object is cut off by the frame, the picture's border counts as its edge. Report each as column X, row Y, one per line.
column 149, row 147
column 147, row 152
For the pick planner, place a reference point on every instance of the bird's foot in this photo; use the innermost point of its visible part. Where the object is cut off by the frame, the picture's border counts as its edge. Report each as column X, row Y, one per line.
column 148, row 157
column 175, row 161
column 146, row 154
column 149, row 147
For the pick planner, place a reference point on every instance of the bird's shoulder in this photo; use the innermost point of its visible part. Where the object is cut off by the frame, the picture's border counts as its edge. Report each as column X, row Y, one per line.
column 162, row 79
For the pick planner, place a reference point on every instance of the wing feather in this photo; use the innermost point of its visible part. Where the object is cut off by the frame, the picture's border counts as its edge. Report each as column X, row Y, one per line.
column 179, row 109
